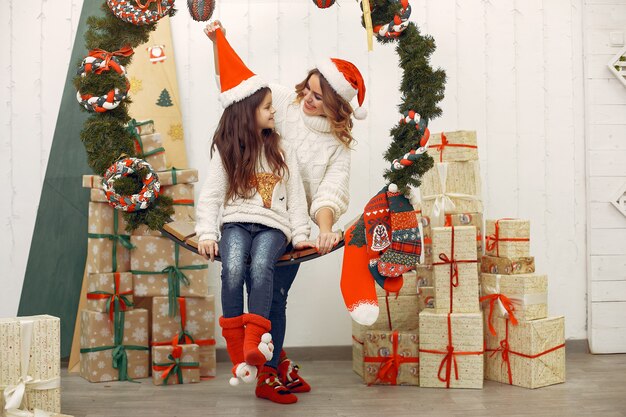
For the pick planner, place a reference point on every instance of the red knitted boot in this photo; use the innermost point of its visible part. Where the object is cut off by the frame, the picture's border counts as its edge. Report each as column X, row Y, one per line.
column 257, row 345
column 288, row 375
column 268, row 386
column 234, row 332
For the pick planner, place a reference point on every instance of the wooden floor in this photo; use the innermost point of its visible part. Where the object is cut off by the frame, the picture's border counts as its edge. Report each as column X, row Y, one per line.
column 596, row 386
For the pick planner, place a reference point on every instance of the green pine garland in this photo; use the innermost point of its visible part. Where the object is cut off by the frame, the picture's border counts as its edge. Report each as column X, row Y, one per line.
column 422, row 89
column 104, row 135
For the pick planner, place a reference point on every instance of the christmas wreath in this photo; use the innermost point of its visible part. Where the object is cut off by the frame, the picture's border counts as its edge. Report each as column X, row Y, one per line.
column 140, row 14
column 134, row 202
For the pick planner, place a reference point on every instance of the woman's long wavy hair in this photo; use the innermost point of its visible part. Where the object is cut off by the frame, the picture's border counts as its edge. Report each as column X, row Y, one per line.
column 338, row 110
column 241, row 147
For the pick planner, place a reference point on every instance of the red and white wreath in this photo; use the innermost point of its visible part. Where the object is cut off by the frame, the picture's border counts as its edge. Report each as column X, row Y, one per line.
column 138, row 13
column 130, row 203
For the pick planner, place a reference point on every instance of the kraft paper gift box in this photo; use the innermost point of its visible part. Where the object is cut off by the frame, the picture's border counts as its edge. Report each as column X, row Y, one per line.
column 183, row 204
column 507, row 266
column 108, row 243
column 461, row 219
column 424, row 275
column 409, row 285
column 160, row 267
column 175, row 364
column 530, row 355
column 425, row 298
column 103, row 290
column 451, row 348
column 100, row 339
column 507, row 238
column 30, row 347
column 150, row 148
column 391, row 358
column 451, row 188
column 517, row 297
column 455, row 146
column 357, row 356
column 171, row 176
column 455, row 277
column 142, row 127
column 404, row 314
column 194, row 322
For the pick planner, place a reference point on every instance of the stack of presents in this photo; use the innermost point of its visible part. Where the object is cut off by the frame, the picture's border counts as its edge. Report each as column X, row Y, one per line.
column 461, row 316
column 146, row 302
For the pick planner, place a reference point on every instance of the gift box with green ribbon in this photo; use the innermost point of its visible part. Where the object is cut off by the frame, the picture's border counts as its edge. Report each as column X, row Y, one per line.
column 114, row 350
column 142, row 127
column 161, row 268
column 194, row 322
column 108, row 293
column 391, row 358
column 150, row 148
column 108, row 244
column 175, row 364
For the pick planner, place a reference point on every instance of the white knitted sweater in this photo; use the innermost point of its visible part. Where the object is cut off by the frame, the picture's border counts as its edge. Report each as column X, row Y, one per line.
column 324, row 162
column 287, row 211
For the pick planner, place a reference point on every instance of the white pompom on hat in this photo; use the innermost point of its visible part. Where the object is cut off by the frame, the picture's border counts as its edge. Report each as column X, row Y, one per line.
column 346, row 79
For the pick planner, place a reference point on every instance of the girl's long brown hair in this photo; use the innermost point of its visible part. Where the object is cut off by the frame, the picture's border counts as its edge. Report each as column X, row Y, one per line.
column 241, row 148
column 338, row 110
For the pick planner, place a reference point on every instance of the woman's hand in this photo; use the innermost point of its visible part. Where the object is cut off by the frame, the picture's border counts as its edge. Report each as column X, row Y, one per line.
column 210, row 29
column 304, row 245
column 327, row 241
column 208, row 249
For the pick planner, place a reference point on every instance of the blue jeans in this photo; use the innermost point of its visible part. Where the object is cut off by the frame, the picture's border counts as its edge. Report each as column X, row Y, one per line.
column 262, row 246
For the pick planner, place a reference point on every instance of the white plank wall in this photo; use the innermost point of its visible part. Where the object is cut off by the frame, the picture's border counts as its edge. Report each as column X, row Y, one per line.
column 514, row 74
column 606, row 153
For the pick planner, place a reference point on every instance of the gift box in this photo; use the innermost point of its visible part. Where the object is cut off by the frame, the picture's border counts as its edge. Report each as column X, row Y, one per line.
column 451, row 188
column 150, row 148
column 171, row 176
column 183, row 204
column 175, row 364
column 357, row 356
column 456, row 146
column 106, row 291
column 193, row 323
column 105, row 344
column 507, row 266
column 517, row 297
column 391, row 358
column 161, row 268
column 143, row 127
column 409, row 285
column 507, row 238
column 530, row 355
column 425, row 298
column 424, row 275
column 30, row 348
column 461, row 219
column 395, row 313
column 108, row 244
column 455, row 277
column 451, row 350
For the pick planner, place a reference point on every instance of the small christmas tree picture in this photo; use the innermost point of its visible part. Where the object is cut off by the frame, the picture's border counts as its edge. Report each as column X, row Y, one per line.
column 164, row 99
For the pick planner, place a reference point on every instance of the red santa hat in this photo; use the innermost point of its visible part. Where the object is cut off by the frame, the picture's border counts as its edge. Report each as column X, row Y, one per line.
column 344, row 77
column 236, row 80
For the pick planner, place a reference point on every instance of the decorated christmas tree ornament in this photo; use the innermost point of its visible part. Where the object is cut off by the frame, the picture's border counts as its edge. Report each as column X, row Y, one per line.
column 399, row 23
column 130, row 203
column 97, row 62
column 156, row 53
column 201, row 10
column 138, row 13
column 323, row 4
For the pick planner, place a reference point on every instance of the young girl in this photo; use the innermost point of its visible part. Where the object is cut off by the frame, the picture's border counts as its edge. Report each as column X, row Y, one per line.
column 263, row 208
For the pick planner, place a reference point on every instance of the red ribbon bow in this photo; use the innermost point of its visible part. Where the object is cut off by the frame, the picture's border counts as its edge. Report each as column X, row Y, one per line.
column 492, row 240
column 445, row 143
column 390, row 365
column 112, row 297
column 506, row 303
column 107, row 56
column 145, row 6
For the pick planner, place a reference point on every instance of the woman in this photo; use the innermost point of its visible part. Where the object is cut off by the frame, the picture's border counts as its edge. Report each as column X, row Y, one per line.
column 315, row 120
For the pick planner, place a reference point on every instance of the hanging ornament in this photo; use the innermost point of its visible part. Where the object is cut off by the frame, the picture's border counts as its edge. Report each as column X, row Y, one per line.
column 156, row 53
column 399, row 23
column 138, row 13
column 323, row 4
column 97, row 62
column 201, row 10
column 130, row 203
column 380, row 239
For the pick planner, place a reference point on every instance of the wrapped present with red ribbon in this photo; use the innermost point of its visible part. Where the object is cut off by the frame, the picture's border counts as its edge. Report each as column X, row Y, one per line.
column 357, row 356
column 455, row 277
column 183, row 204
column 460, row 219
column 175, row 363
column 507, row 266
column 409, row 285
column 451, row 350
column 458, row 146
column 108, row 243
column 194, row 323
column 508, row 238
column 391, row 358
column 110, row 293
column 530, row 355
column 516, row 297
column 396, row 313
column 425, row 298
column 114, row 351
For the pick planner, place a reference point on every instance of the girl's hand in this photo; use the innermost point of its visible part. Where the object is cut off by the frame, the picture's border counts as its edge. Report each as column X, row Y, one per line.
column 208, row 249
column 327, row 241
column 304, row 244
column 212, row 27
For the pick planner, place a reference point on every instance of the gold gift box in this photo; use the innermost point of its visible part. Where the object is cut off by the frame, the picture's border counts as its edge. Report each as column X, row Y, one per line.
column 463, row 297
column 97, row 331
column 536, row 353
column 512, row 239
column 507, row 266
column 44, row 359
column 461, row 219
column 104, row 224
column 379, row 349
column 461, row 146
column 190, row 354
column 404, row 315
column 528, row 294
column 106, row 283
column 467, row 345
